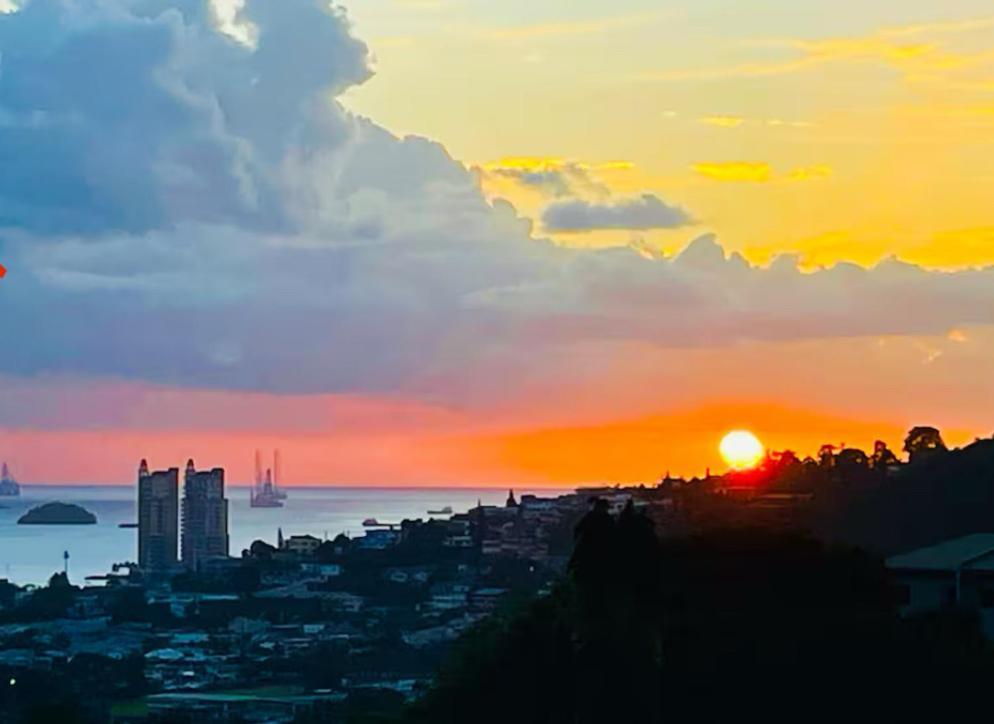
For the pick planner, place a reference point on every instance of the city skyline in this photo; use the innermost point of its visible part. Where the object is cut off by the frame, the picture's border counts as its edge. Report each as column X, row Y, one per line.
column 451, row 243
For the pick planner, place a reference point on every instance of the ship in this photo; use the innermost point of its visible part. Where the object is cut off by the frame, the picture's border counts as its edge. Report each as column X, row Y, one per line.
column 447, row 510
column 8, row 486
column 265, row 491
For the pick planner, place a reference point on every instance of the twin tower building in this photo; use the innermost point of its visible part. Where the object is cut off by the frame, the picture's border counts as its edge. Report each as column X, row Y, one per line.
column 199, row 530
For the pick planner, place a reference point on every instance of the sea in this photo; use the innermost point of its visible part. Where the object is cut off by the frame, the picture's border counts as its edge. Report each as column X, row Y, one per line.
column 30, row 554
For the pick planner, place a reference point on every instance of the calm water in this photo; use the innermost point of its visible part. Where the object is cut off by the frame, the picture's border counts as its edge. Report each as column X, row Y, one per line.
column 31, row 553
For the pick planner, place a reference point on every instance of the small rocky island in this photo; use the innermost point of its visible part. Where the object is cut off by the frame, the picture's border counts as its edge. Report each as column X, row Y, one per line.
column 58, row 514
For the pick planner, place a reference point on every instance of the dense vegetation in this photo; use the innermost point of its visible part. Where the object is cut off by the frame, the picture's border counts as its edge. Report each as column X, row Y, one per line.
column 938, row 497
column 725, row 624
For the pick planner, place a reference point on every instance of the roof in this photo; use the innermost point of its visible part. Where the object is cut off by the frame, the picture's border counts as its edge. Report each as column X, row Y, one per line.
column 974, row 552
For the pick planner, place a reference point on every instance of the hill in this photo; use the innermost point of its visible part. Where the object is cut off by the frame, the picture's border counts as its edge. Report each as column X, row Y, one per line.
column 946, row 495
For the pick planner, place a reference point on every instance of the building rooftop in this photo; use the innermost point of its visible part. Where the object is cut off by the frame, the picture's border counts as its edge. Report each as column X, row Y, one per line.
column 972, row 552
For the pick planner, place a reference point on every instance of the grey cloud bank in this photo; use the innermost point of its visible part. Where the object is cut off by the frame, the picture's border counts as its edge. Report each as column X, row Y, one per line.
column 181, row 207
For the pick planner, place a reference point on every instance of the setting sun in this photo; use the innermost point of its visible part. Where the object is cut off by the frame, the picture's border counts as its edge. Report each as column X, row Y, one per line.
column 741, row 450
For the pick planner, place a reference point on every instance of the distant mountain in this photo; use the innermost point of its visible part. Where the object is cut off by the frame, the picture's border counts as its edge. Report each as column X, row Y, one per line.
column 947, row 495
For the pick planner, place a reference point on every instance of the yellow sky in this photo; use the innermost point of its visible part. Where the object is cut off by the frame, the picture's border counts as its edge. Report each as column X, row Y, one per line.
column 862, row 133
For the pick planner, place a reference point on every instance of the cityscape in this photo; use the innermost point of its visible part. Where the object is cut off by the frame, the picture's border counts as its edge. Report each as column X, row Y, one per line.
column 307, row 627
column 461, row 362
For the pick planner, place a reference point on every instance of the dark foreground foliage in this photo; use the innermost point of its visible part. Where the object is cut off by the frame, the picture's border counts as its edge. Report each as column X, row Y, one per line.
column 738, row 623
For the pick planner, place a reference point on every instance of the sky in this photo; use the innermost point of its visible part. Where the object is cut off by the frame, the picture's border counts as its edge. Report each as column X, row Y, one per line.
column 456, row 242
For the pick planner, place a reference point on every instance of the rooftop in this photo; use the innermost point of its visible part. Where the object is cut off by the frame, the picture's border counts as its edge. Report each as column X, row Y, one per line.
column 972, row 552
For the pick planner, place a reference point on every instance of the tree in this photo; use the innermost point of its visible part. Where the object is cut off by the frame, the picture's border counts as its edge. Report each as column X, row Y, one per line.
column 883, row 456
column 261, row 550
column 592, row 564
column 923, row 442
column 826, row 456
column 732, row 611
column 852, row 460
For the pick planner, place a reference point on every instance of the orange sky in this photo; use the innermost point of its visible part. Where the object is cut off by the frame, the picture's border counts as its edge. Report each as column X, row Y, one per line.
column 623, row 431
column 477, row 243
column 626, row 451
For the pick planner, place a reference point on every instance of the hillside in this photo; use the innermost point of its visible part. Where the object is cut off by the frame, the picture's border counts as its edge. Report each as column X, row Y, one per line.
column 948, row 495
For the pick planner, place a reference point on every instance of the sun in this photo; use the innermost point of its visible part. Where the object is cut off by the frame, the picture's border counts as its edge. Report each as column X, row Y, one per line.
column 742, row 450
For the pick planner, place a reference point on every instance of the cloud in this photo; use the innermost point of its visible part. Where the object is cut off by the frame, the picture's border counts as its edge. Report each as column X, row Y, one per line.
column 758, row 171
column 229, row 19
column 723, row 121
column 732, row 121
column 754, row 171
column 574, row 28
column 182, row 206
column 135, row 116
column 776, row 122
column 554, row 176
column 807, row 173
column 890, row 47
column 645, row 212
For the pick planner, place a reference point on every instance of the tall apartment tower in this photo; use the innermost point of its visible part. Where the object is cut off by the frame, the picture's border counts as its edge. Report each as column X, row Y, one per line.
column 205, row 517
column 158, row 518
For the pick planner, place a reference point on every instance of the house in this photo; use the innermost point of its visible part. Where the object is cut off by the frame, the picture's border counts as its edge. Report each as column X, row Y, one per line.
column 486, row 600
column 323, row 570
column 957, row 573
column 448, row 596
column 302, row 545
column 409, row 574
column 378, row 540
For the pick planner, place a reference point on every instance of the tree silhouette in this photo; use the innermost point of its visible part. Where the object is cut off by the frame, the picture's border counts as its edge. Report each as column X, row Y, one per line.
column 923, row 442
column 826, row 456
column 262, row 550
column 852, row 460
column 883, row 456
column 708, row 628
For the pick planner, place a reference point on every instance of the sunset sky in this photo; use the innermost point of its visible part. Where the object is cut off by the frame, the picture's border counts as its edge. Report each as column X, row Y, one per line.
column 457, row 242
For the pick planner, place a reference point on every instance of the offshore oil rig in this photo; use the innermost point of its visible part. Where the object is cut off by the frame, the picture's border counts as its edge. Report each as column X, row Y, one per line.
column 266, row 491
column 8, row 486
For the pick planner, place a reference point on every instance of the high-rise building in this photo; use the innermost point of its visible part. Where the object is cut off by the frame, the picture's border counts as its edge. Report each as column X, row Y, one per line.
column 205, row 516
column 158, row 517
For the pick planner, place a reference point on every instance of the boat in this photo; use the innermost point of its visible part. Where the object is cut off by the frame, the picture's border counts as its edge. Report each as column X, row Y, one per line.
column 8, row 486
column 447, row 510
column 127, row 525
column 370, row 523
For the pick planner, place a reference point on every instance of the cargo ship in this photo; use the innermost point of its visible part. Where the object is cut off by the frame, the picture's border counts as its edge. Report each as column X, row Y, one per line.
column 8, row 486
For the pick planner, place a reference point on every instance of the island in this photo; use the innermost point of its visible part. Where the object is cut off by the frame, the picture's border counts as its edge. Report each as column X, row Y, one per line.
column 58, row 514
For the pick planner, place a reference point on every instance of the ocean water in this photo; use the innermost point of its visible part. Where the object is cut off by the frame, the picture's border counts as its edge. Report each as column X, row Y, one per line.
column 31, row 553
